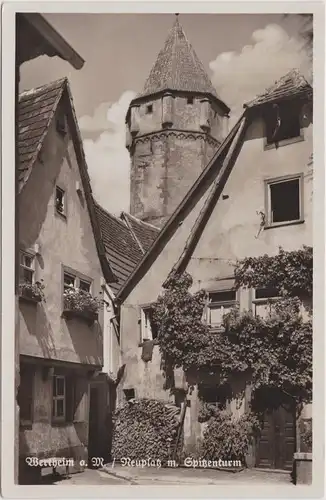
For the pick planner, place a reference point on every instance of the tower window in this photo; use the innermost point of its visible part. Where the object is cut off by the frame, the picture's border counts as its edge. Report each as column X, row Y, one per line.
column 190, row 100
column 149, row 109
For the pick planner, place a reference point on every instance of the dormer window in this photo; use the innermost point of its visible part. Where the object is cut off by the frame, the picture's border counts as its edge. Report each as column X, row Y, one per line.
column 190, row 100
column 282, row 121
column 149, row 109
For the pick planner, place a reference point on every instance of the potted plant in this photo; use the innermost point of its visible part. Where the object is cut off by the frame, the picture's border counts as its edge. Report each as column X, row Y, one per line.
column 32, row 292
column 80, row 303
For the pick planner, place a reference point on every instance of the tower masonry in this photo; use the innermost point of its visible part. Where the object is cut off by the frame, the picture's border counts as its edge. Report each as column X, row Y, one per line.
column 174, row 126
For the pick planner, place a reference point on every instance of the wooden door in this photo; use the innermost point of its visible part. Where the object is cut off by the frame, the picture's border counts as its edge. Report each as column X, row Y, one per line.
column 276, row 445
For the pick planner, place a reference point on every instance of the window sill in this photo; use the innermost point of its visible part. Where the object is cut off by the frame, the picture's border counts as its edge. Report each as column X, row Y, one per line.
column 61, row 215
column 89, row 317
column 25, row 425
column 216, row 329
column 284, row 142
column 31, row 300
column 282, row 224
column 140, row 344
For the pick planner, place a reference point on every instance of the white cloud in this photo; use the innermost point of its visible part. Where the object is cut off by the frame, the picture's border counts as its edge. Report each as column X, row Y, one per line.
column 107, row 157
column 240, row 76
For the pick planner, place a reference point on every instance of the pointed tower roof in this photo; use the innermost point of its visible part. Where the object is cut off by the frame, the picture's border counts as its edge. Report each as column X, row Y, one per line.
column 178, row 68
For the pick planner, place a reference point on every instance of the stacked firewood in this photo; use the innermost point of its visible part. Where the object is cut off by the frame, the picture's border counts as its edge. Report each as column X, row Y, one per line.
column 145, row 429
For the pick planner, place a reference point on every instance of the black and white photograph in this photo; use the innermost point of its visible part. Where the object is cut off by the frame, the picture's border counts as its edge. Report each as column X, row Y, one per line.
column 164, row 225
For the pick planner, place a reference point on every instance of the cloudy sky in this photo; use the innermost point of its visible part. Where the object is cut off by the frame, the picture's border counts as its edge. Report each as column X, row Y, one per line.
column 242, row 53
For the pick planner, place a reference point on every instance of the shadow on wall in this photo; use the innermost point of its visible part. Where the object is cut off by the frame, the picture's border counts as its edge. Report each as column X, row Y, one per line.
column 87, row 340
column 38, row 326
column 33, row 208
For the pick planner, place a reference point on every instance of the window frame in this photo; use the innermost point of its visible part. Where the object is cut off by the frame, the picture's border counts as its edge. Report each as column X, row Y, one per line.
column 268, row 206
column 55, row 398
column 62, row 214
column 31, row 255
column 231, row 303
column 282, row 142
column 78, row 277
column 143, row 309
column 149, row 109
column 261, row 301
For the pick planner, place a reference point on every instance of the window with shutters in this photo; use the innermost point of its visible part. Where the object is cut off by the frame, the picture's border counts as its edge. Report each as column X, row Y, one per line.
column 25, row 394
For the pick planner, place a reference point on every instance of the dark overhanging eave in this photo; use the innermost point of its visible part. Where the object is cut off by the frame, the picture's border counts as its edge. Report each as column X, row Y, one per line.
column 54, row 39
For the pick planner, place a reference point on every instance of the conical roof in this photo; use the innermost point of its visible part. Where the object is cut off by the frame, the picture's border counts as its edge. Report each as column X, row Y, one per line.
column 178, row 67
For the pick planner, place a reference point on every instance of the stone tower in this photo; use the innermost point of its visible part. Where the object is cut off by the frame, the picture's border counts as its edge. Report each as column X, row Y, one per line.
column 174, row 126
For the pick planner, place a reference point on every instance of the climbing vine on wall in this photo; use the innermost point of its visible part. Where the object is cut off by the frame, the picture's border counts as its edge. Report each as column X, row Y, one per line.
column 276, row 351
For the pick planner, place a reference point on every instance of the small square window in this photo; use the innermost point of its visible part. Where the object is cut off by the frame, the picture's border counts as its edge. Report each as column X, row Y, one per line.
column 60, row 201
column 149, row 109
column 284, row 201
column 129, row 394
column 190, row 100
column 282, row 122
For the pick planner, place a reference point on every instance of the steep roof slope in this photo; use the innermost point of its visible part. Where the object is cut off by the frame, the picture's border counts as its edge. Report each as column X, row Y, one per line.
column 36, row 110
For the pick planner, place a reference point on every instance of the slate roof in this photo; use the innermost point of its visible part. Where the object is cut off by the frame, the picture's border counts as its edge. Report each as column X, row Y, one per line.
column 178, row 67
column 145, row 233
column 123, row 249
column 36, row 109
column 291, row 84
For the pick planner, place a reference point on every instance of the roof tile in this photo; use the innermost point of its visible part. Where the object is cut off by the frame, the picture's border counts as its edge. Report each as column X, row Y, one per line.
column 35, row 110
column 291, row 84
column 178, row 67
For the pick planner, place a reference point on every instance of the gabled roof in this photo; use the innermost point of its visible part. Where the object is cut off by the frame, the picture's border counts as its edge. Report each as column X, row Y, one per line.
column 125, row 239
column 178, row 68
column 36, row 110
column 290, row 85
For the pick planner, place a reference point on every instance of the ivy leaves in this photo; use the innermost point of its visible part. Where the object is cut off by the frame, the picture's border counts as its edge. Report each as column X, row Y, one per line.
column 276, row 350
